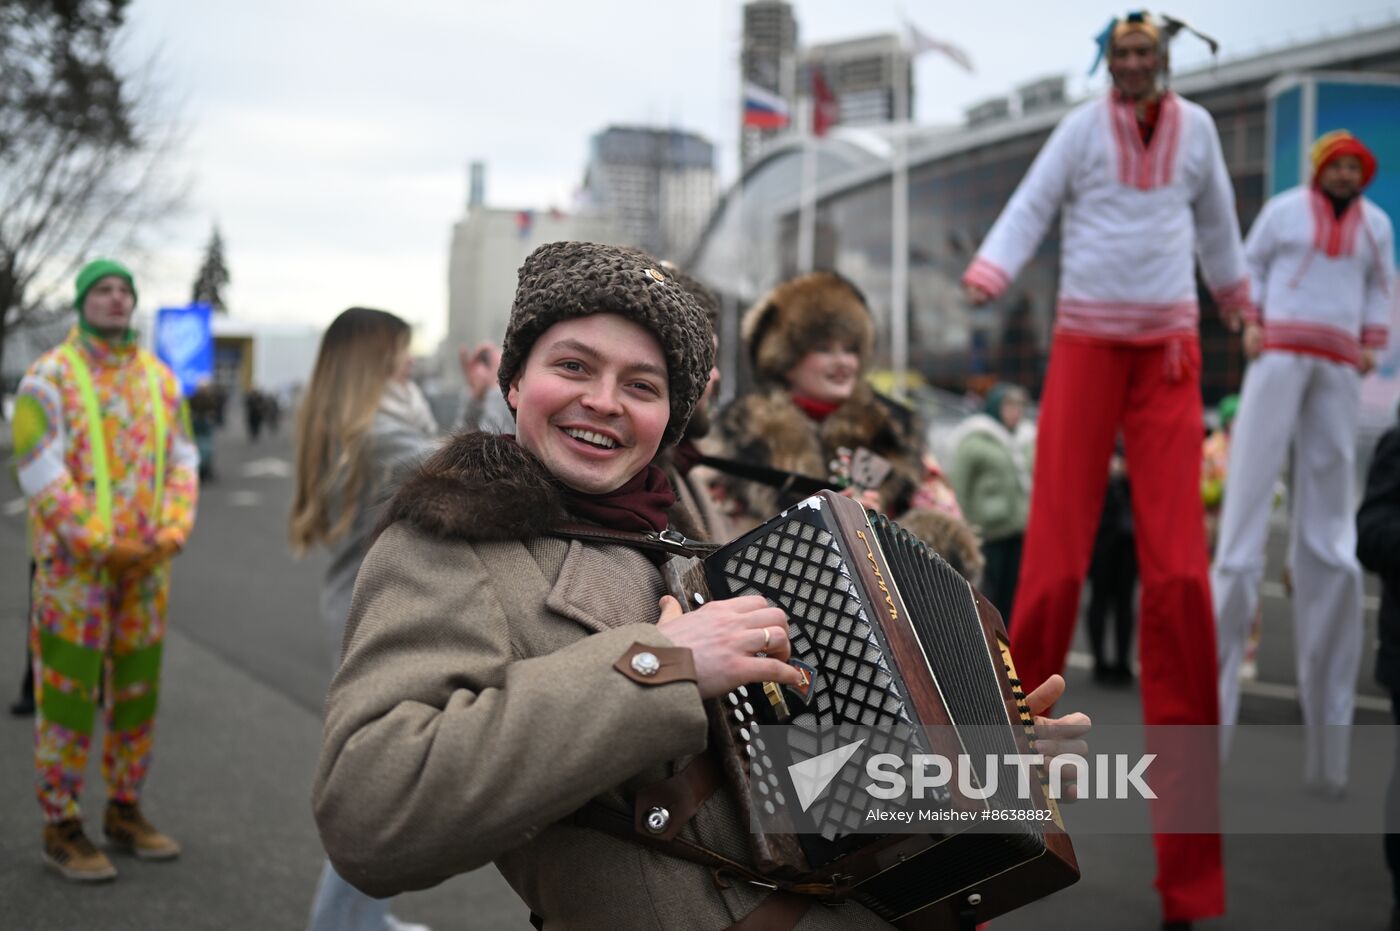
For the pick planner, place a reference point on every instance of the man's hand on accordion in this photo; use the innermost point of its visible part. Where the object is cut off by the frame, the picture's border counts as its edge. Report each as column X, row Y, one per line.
column 1054, row 736
column 734, row 641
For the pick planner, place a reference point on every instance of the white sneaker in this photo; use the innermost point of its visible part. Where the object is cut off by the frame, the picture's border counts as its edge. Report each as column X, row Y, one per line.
column 393, row 924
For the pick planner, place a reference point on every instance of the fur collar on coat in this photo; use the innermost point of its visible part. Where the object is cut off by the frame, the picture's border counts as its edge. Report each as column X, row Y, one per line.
column 484, row 487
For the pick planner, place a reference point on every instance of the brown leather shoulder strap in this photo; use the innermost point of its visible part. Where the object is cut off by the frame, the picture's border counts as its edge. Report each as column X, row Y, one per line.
column 667, row 542
column 599, row 817
column 679, row 797
column 780, row 479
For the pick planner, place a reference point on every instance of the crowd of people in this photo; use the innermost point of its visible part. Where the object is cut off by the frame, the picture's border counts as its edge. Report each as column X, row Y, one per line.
column 458, row 617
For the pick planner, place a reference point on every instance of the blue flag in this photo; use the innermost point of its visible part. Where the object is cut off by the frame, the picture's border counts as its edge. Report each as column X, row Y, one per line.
column 185, row 342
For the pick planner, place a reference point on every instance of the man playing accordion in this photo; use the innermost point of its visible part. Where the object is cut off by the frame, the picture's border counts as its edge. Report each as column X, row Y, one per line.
column 498, row 678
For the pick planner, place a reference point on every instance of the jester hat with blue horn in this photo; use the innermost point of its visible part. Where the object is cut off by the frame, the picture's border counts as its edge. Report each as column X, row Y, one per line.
column 1161, row 29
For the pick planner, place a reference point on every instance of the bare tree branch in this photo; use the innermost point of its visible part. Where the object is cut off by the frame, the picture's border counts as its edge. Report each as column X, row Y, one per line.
column 84, row 153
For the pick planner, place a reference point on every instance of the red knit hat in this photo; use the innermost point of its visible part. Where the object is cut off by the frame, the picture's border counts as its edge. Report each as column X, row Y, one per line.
column 1337, row 143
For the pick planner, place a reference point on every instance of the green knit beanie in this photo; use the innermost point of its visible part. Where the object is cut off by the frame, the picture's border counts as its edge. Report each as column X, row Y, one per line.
column 95, row 271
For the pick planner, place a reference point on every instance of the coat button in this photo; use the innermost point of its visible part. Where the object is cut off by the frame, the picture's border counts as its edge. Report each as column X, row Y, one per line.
column 657, row 819
column 646, row 664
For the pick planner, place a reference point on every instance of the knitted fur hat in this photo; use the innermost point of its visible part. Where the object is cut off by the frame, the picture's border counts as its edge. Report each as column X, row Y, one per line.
column 802, row 314
column 563, row 280
column 706, row 298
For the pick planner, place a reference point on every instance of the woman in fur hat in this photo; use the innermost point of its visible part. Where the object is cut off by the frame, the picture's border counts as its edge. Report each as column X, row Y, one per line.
column 810, row 341
column 498, row 680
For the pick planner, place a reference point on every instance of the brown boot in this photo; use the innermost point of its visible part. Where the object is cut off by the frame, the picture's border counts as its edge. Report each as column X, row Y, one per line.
column 128, row 830
column 67, row 850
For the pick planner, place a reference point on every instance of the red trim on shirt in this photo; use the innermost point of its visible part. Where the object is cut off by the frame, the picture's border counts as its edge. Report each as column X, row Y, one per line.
column 1332, row 235
column 1118, row 117
column 1168, row 133
column 1126, row 322
column 988, row 276
column 1235, row 299
column 1145, row 166
column 1313, row 339
column 1375, row 337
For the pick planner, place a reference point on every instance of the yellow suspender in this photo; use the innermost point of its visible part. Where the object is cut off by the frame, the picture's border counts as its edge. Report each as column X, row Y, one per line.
column 97, row 437
column 158, row 405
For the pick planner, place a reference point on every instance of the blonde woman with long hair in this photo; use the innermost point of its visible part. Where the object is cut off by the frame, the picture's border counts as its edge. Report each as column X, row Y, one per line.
column 363, row 426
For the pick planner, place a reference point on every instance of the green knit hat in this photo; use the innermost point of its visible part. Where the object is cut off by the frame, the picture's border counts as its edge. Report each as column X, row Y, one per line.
column 95, row 271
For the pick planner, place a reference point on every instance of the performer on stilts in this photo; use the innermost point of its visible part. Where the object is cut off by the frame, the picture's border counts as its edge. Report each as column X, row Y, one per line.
column 1141, row 185
column 1321, row 258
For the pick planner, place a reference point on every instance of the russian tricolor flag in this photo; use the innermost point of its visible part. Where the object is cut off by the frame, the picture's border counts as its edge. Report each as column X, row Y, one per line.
column 764, row 109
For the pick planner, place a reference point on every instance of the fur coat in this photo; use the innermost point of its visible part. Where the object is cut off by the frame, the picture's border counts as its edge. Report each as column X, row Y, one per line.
column 767, row 428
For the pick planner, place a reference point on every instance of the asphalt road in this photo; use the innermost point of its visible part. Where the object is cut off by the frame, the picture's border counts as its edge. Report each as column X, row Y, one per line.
column 247, row 664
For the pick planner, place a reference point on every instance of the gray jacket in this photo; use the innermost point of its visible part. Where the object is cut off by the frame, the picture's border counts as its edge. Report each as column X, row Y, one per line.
column 394, row 449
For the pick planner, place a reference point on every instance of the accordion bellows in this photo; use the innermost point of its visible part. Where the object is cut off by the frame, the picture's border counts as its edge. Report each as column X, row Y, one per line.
column 908, row 658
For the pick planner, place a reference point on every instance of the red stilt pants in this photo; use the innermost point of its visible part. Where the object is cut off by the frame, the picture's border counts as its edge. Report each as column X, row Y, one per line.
column 1093, row 390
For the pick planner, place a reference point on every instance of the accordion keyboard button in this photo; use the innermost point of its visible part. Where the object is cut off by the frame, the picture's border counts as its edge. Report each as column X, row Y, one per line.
column 646, row 664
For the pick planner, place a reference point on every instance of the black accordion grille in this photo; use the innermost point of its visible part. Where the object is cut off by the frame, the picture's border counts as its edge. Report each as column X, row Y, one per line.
column 944, row 615
column 799, row 566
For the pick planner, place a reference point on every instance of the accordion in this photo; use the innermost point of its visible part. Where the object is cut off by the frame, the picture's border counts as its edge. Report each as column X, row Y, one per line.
column 902, row 653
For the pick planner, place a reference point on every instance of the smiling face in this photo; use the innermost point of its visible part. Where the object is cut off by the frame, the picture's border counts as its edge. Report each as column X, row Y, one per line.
column 591, row 401
column 1341, row 177
column 108, row 305
column 827, row 373
column 1134, row 62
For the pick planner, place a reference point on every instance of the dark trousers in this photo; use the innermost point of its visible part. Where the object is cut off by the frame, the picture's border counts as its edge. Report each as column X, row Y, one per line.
column 1392, row 805
column 1112, row 582
column 999, row 575
column 26, row 690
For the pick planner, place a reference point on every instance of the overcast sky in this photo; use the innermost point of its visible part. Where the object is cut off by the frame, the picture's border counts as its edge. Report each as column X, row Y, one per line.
column 329, row 140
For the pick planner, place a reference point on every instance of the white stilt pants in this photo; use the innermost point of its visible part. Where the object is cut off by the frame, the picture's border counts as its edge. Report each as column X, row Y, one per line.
column 1313, row 402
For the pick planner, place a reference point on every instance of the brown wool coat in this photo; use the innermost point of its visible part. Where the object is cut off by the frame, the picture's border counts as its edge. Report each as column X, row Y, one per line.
column 477, row 707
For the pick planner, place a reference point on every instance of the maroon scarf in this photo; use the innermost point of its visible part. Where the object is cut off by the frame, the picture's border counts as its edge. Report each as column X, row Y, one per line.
column 639, row 504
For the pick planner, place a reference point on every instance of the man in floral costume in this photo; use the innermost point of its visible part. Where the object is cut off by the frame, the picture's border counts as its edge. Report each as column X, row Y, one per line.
column 110, row 473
